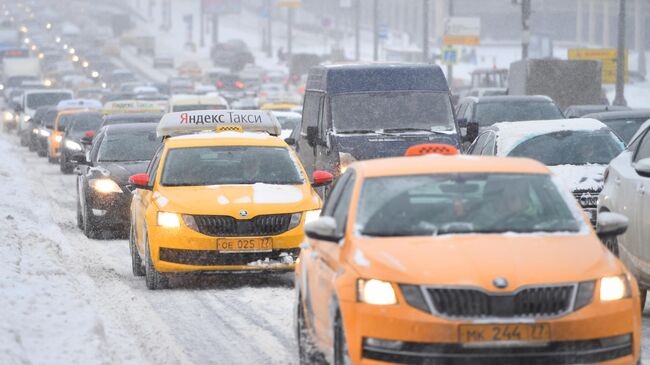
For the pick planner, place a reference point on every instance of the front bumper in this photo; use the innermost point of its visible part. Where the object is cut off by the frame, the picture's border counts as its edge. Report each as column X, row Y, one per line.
column 185, row 250
column 607, row 333
column 111, row 209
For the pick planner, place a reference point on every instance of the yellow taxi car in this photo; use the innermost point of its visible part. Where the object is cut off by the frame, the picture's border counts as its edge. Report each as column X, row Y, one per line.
column 461, row 260
column 234, row 199
column 279, row 107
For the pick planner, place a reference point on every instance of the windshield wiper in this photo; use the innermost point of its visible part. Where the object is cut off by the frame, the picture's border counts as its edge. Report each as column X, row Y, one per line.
column 358, row 131
column 407, row 129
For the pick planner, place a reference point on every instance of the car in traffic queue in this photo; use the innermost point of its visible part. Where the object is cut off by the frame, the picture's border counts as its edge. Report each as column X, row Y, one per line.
column 627, row 191
column 444, row 259
column 576, row 150
column 45, row 119
column 624, row 123
column 103, row 191
column 233, row 199
column 580, row 111
column 290, row 122
column 77, row 137
column 278, row 106
column 66, row 111
column 31, row 100
column 185, row 102
column 128, row 117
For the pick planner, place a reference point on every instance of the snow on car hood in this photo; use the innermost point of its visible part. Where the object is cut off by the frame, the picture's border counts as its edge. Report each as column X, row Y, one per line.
column 580, row 177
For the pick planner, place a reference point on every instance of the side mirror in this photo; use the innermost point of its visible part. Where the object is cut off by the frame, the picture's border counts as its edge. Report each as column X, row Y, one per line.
column 312, row 136
column 79, row 159
column 140, row 181
column 642, row 167
column 462, row 122
column 611, row 224
column 322, row 178
column 88, row 137
column 324, row 229
column 290, row 141
column 472, row 132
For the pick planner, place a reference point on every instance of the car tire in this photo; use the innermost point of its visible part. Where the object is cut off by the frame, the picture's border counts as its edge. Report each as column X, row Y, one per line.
column 154, row 279
column 32, row 146
column 611, row 242
column 88, row 226
column 340, row 353
column 643, row 294
column 65, row 167
column 136, row 260
column 307, row 352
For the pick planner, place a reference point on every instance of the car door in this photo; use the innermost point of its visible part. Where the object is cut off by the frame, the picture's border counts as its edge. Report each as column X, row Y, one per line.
column 142, row 199
column 642, row 200
column 324, row 258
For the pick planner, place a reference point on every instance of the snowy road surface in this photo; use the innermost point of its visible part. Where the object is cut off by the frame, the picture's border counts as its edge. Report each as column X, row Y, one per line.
column 70, row 300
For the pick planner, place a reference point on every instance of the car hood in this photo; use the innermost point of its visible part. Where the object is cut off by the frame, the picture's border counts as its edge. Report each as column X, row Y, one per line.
column 230, row 200
column 369, row 146
column 119, row 171
column 476, row 260
column 580, row 177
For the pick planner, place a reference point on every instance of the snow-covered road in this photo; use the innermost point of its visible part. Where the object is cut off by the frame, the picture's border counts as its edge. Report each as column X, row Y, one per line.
column 70, row 300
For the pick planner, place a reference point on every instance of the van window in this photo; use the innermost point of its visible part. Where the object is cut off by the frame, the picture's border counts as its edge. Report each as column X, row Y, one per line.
column 388, row 110
column 311, row 110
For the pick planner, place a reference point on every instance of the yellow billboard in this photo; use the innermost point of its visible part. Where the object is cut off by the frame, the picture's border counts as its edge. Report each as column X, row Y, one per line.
column 606, row 55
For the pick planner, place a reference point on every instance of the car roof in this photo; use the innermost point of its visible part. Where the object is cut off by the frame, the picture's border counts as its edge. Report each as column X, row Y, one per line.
column 510, row 98
column 636, row 113
column 130, row 128
column 204, row 139
column 439, row 164
column 122, row 116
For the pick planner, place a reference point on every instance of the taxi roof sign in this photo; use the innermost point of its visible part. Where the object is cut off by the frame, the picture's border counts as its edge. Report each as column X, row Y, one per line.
column 79, row 104
column 214, row 120
column 431, row 149
column 133, row 106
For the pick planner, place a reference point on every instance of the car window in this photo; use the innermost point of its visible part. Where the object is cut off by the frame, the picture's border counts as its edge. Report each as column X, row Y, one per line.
column 311, row 110
column 152, row 169
column 493, row 112
column 644, row 148
column 334, row 195
column 477, row 146
column 488, row 148
column 342, row 207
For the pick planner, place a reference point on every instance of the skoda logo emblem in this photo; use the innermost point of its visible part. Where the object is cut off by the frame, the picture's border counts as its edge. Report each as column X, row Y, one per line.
column 243, row 213
column 500, row 283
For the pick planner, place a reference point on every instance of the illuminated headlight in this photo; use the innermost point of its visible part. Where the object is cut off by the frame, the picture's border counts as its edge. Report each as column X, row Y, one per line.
column 105, row 186
column 614, row 288
column 58, row 138
column 72, row 145
column 375, row 292
column 44, row 133
column 47, row 83
column 26, row 118
column 8, row 116
column 345, row 159
column 2, row 87
column 169, row 220
column 312, row 215
column 35, row 130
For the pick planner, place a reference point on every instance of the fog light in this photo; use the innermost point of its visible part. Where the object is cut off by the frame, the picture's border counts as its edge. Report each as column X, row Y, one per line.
column 386, row 344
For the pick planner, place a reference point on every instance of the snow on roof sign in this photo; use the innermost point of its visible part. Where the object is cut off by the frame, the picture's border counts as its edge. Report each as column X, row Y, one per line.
column 211, row 120
column 133, row 106
column 79, row 104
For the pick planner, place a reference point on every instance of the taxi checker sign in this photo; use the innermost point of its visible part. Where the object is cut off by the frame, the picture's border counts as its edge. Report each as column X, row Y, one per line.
column 210, row 120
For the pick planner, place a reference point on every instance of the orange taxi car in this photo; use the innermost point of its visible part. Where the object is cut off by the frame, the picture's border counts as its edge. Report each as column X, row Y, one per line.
column 461, row 260
column 67, row 110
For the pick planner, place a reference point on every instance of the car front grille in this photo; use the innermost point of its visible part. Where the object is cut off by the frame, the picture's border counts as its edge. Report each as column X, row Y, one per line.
column 226, row 226
column 214, row 258
column 587, row 199
column 543, row 301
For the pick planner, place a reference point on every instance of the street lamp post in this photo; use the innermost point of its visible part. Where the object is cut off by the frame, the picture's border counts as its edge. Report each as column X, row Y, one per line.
column 620, row 57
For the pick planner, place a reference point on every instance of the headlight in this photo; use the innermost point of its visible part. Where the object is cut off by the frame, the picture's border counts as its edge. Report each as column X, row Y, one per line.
column 614, row 288
column 26, row 118
column 105, row 186
column 375, row 292
column 58, row 138
column 35, row 130
column 295, row 220
column 72, row 145
column 44, row 133
column 190, row 222
column 169, row 220
column 8, row 116
column 345, row 159
column 312, row 215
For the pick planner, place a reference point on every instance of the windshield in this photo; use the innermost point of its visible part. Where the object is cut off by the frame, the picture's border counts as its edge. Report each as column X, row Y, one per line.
column 230, row 165
column 133, row 146
column 388, row 110
column 46, row 99
column 424, row 205
column 490, row 113
column 626, row 127
column 186, row 108
column 571, row 148
column 289, row 122
column 85, row 122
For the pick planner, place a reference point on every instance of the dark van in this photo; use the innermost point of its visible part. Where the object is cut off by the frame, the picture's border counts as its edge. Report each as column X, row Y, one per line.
column 365, row 111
